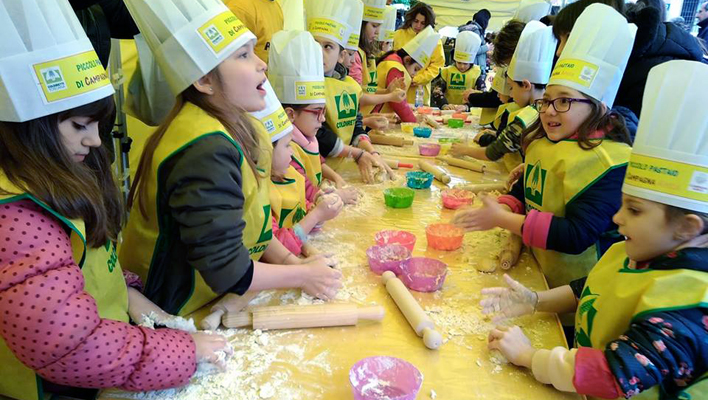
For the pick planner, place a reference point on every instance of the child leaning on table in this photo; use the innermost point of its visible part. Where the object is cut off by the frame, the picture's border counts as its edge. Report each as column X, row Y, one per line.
column 642, row 313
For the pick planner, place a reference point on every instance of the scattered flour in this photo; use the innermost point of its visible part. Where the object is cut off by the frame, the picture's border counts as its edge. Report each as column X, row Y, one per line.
column 152, row 319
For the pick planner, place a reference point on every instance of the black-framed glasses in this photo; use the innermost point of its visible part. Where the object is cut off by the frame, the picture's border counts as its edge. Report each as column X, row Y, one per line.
column 561, row 104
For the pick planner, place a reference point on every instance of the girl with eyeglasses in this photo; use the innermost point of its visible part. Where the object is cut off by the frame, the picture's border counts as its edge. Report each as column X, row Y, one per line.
column 576, row 156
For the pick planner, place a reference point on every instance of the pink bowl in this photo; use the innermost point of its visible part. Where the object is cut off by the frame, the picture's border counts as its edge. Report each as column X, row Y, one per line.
column 423, row 274
column 429, row 149
column 383, row 377
column 387, row 258
column 456, row 198
column 444, row 236
column 405, row 239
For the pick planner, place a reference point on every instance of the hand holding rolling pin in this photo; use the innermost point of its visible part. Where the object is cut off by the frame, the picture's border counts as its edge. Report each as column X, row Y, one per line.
column 508, row 302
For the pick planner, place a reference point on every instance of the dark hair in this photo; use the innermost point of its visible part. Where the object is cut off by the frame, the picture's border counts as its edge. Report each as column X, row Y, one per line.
column 236, row 121
column 506, row 41
column 672, row 212
column 658, row 4
column 482, row 17
column 536, row 86
column 422, row 9
column 34, row 159
column 296, row 107
column 368, row 47
column 611, row 122
column 400, row 52
column 547, row 20
column 565, row 20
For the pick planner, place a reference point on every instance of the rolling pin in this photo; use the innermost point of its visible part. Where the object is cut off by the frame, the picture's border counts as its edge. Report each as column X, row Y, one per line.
column 228, row 304
column 417, row 318
column 509, row 255
column 437, row 172
column 296, row 316
column 395, row 164
column 483, row 187
column 389, row 140
column 456, row 162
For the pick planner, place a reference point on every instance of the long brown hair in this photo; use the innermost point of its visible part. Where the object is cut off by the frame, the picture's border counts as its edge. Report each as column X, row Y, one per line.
column 34, row 159
column 609, row 122
column 236, row 121
column 422, row 9
column 369, row 47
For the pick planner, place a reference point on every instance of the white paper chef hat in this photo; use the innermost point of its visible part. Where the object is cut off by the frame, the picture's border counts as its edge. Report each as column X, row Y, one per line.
column 466, row 46
column 47, row 64
column 669, row 161
column 374, row 10
column 294, row 10
column 596, row 54
column 532, row 10
column 533, row 57
column 421, row 47
column 388, row 28
column 273, row 117
column 355, row 11
column 188, row 37
column 499, row 83
column 295, row 68
column 329, row 20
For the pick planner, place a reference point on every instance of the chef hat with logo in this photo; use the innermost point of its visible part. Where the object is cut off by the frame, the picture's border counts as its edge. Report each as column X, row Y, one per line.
column 374, row 10
column 329, row 20
column 532, row 10
column 47, row 64
column 295, row 68
column 421, row 47
column 533, row 57
column 355, row 10
column 273, row 117
column 596, row 54
column 669, row 161
column 388, row 28
column 467, row 45
column 188, row 37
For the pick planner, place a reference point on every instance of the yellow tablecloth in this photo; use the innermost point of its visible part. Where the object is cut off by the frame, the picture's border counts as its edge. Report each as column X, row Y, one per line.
column 315, row 363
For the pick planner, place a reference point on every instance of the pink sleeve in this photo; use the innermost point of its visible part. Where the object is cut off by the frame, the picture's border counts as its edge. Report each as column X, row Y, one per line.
column 311, row 190
column 517, row 207
column 536, row 227
column 132, row 280
column 402, row 109
column 287, row 237
column 52, row 325
column 593, row 376
column 355, row 70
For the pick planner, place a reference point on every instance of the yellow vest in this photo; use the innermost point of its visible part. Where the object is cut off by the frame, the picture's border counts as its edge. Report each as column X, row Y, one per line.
column 457, row 82
column 555, row 174
column 369, row 79
column 510, row 108
column 382, row 71
column 142, row 235
column 615, row 295
column 527, row 116
column 310, row 162
column 287, row 199
column 342, row 104
column 103, row 280
column 403, row 36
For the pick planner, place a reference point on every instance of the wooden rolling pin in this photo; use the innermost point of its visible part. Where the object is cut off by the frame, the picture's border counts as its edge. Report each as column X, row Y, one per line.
column 456, row 162
column 310, row 316
column 417, row 318
column 230, row 303
column 483, row 187
column 437, row 172
column 389, row 140
column 510, row 253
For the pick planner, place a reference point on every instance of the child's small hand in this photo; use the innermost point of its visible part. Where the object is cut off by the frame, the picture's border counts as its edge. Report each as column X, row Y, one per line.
column 397, row 96
column 461, row 108
column 398, row 83
column 466, row 94
column 376, row 122
column 513, row 344
column 349, row 195
column 207, row 346
column 320, row 280
column 458, row 149
column 508, row 302
column 480, row 219
column 515, row 175
column 447, row 107
column 329, row 207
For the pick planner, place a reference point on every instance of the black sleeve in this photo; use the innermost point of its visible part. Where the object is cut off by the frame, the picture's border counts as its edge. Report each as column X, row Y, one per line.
column 358, row 128
column 120, row 22
column 518, row 190
column 484, row 100
column 206, row 201
column 577, row 286
column 588, row 216
column 327, row 140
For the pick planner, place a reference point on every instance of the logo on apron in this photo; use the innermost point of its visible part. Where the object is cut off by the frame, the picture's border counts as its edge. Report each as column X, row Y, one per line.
column 586, row 311
column 535, row 182
column 457, row 79
column 346, row 105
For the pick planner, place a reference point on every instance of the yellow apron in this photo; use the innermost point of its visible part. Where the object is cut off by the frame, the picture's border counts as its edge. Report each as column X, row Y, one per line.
column 383, row 69
column 487, row 116
column 557, row 173
column 614, row 295
column 368, row 79
column 525, row 116
column 310, row 162
column 287, row 199
column 103, row 280
column 141, row 237
column 457, row 82
column 342, row 104
column 510, row 108
column 400, row 38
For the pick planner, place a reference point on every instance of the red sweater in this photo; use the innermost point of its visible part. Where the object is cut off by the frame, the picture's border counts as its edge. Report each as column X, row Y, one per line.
column 402, row 109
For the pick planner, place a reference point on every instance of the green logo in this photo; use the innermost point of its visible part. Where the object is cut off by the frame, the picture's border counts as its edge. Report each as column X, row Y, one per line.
column 113, row 258
column 535, row 182
column 346, row 105
column 319, row 178
column 458, row 79
column 213, row 34
column 53, row 79
column 266, row 231
column 586, row 312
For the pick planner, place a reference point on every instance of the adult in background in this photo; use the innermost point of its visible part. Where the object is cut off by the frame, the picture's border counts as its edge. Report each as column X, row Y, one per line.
column 478, row 25
column 702, row 17
column 418, row 18
column 262, row 17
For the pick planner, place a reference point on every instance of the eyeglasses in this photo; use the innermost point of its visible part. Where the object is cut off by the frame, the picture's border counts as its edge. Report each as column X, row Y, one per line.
column 320, row 112
column 561, row 104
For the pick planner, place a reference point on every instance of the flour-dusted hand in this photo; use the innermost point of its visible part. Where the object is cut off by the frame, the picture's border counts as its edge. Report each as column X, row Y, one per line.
column 212, row 348
column 515, row 175
column 513, row 344
column 321, row 280
column 508, row 302
column 482, row 218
